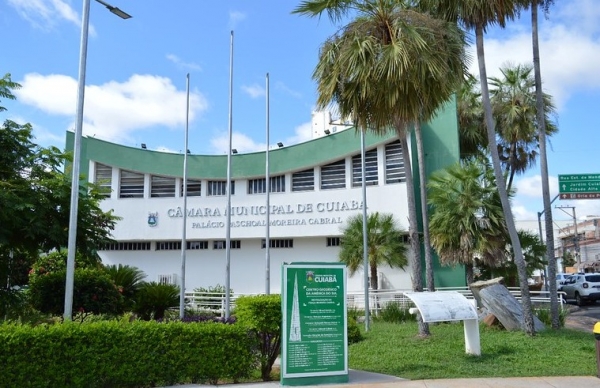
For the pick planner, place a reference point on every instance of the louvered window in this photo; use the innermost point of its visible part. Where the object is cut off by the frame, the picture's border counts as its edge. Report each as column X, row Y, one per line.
column 194, row 187
column 394, row 164
column 104, row 179
column 303, row 180
column 370, row 169
column 162, row 186
column 132, row 185
column 333, row 176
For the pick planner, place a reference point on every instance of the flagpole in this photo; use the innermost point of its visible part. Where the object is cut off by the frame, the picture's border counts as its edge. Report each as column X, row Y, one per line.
column 185, row 173
column 228, row 185
column 268, row 188
column 366, row 265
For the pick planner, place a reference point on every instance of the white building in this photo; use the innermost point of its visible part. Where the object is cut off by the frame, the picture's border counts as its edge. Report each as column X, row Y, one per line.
column 315, row 187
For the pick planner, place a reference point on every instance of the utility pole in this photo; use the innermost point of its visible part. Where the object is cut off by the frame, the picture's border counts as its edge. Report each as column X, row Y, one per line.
column 576, row 239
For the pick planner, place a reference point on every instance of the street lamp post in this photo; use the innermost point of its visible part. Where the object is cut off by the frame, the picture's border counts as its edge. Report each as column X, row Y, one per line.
column 72, row 238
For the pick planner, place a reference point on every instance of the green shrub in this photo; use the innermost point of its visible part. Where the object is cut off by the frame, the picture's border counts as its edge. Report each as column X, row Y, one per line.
column 57, row 261
column 261, row 314
column 354, row 334
column 543, row 315
column 123, row 354
column 93, row 292
column 128, row 281
column 392, row 312
column 153, row 299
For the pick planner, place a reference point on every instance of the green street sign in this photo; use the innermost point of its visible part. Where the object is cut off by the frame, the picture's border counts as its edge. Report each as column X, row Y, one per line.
column 314, row 327
column 578, row 186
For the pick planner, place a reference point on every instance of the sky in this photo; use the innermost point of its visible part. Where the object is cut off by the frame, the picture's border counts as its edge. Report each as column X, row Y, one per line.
column 136, row 77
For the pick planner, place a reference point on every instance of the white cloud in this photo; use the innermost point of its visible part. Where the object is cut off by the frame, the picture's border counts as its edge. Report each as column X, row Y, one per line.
column 182, row 64
column 241, row 142
column 283, row 87
column 532, row 186
column 569, row 50
column 302, row 133
column 113, row 110
column 235, row 17
column 254, row 90
column 46, row 14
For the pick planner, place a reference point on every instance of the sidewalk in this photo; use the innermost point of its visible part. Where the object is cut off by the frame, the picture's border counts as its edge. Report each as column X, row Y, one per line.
column 360, row 379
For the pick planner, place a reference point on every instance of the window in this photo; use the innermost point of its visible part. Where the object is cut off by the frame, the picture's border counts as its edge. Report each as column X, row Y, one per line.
column 197, row 245
column 127, row 246
column 394, row 165
column 103, row 178
column 167, row 279
column 221, row 244
column 278, row 243
column 132, row 185
column 303, row 180
column 216, row 188
column 257, row 186
column 333, row 176
column 162, row 186
column 370, row 169
column 168, row 245
column 277, row 184
column 333, row 241
column 194, row 187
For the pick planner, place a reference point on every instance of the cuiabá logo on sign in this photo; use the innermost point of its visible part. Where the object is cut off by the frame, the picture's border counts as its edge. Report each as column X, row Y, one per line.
column 325, row 279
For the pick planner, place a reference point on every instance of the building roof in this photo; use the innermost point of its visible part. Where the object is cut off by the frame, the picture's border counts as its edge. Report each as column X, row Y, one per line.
column 281, row 160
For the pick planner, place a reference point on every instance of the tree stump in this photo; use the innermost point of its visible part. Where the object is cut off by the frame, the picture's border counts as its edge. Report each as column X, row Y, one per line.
column 496, row 299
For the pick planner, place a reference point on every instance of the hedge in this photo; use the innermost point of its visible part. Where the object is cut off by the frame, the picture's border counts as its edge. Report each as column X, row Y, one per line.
column 124, row 354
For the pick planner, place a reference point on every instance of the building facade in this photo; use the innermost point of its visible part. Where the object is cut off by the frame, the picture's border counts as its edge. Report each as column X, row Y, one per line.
column 314, row 187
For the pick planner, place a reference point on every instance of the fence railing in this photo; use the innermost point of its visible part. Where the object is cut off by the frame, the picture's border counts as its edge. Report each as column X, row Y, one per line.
column 378, row 299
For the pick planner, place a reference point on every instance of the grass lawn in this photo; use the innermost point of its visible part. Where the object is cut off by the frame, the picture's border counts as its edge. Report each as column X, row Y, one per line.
column 395, row 349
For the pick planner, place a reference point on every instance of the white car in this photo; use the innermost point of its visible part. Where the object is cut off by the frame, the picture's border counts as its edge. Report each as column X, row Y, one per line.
column 583, row 288
column 560, row 280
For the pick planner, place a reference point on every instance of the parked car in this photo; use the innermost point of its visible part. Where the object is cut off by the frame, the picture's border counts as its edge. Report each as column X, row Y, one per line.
column 583, row 288
column 560, row 280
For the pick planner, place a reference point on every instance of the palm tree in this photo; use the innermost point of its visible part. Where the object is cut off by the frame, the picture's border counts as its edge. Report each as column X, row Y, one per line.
column 384, row 242
column 389, row 68
column 128, row 281
column 467, row 219
column 554, row 314
column 514, row 106
column 472, row 135
column 6, row 88
column 479, row 15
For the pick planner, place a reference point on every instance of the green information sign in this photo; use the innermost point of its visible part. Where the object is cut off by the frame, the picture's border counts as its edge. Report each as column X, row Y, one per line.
column 579, row 183
column 314, row 327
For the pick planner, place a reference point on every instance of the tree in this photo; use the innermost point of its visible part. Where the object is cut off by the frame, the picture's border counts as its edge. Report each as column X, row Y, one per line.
column 479, row 15
column 6, row 88
column 467, row 218
column 534, row 252
column 35, row 195
column 153, row 299
column 128, row 281
column 514, row 105
column 384, row 242
column 472, row 135
column 390, row 68
column 539, row 96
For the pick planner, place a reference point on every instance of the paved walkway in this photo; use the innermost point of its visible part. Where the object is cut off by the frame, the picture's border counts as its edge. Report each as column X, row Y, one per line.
column 359, row 379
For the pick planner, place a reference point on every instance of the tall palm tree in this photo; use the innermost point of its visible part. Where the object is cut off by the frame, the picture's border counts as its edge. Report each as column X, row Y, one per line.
column 389, row 68
column 467, row 215
column 472, row 135
column 545, row 4
column 515, row 110
column 384, row 242
column 479, row 15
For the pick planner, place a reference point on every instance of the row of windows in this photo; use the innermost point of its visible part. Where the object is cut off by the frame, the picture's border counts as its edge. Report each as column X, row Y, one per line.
column 203, row 244
column 333, row 176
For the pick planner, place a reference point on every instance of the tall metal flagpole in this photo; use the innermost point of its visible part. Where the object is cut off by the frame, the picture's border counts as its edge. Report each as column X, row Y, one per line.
column 364, row 217
column 185, row 172
column 268, row 184
column 228, row 185
column 72, row 238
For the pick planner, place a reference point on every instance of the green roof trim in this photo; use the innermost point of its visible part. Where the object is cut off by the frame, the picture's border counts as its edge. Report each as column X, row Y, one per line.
column 295, row 157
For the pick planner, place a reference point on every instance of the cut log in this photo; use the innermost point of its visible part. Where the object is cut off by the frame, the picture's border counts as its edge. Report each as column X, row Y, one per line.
column 497, row 300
